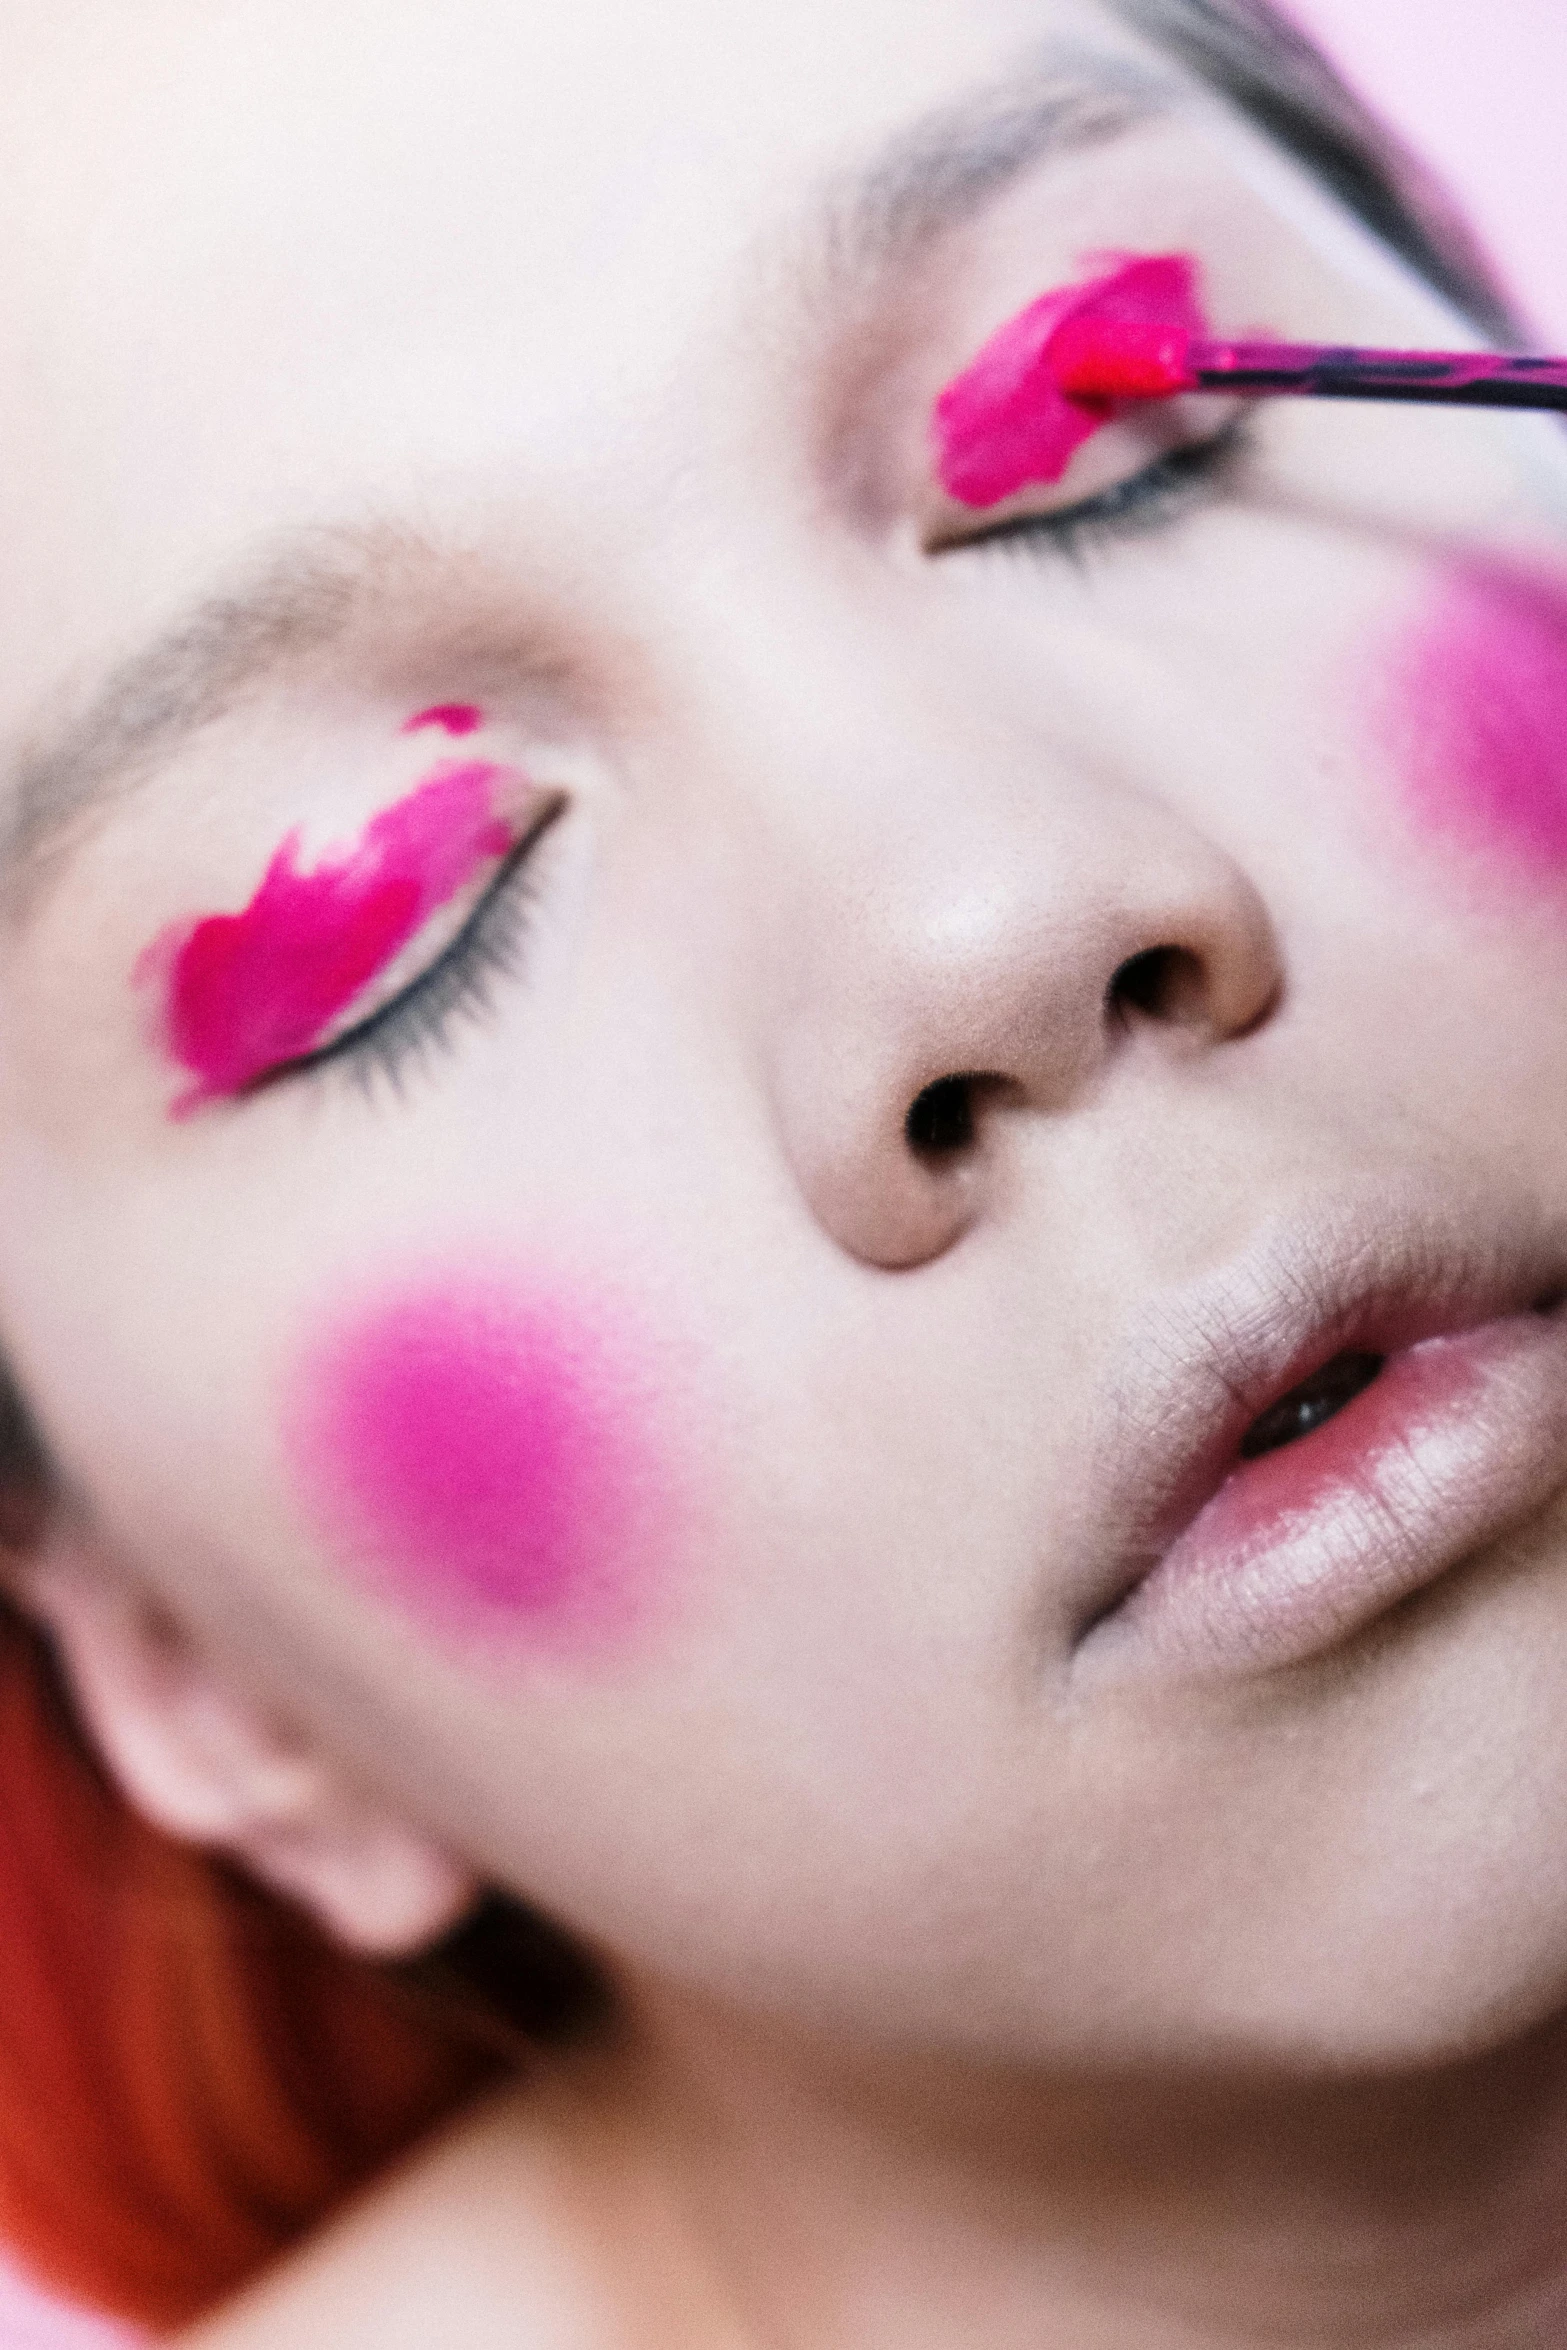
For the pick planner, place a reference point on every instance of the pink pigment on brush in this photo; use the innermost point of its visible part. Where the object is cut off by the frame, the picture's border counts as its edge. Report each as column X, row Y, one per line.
column 1477, row 714
column 475, row 1453
column 450, row 717
column 247, row 993
column 1006, row 421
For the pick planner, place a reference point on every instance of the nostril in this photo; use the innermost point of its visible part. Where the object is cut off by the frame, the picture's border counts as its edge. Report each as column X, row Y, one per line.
column 941, row 1118
column 1163, row 983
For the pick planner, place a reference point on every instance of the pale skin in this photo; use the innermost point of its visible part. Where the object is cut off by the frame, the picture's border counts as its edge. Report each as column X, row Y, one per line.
column 960, row 2004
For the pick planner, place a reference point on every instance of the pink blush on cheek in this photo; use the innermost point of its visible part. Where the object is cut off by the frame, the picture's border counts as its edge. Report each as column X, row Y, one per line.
column 1477, row 716
column 1006, row 421
column 481, row 1459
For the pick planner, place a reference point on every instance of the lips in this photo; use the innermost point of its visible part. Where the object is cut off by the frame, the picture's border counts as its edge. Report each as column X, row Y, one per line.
column 1366, row 1399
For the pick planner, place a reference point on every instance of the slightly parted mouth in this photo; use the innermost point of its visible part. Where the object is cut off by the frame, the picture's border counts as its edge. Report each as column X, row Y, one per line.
column 1384, row 1320
column 1311, row 1403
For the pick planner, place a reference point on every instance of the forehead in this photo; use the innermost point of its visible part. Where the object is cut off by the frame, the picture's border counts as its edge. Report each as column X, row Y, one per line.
column 358, row 124
column 289, row 258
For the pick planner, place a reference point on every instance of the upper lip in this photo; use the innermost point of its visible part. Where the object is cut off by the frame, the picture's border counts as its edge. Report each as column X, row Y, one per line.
column 1374, row 1273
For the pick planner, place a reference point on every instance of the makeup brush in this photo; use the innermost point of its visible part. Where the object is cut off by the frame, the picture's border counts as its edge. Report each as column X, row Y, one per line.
column 1069, row 362
column 1094, row 359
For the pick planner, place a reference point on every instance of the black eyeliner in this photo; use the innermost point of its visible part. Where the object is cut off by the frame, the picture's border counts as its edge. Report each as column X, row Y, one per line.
column 1157, row 495
column 420, row 1017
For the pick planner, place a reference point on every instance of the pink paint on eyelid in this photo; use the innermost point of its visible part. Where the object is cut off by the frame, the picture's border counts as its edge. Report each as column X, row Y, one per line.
column 1476, row 718
column 478, row 1455
column 451, row 717
column 248, row 992
column 1005, row 421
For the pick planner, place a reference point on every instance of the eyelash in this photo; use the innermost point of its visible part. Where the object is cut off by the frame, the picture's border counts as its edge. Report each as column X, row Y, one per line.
column 421, row 1018
column 1159, row 495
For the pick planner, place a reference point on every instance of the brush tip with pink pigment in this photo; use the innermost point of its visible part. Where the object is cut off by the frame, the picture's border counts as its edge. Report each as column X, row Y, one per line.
column 1080, row 356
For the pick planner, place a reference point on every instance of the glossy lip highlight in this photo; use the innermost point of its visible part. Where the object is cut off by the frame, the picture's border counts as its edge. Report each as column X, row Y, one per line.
column 1216, row 1566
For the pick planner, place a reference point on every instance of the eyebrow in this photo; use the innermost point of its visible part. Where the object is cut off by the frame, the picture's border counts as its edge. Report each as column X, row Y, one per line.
column 930, row 179
column 224, row 649
column 943, row 171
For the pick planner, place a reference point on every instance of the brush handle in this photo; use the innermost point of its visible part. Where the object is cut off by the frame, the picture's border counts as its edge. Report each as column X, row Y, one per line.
column 1327, row 371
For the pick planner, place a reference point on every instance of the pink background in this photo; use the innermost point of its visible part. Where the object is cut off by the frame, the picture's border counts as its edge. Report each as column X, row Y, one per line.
column 1480, row 89
column 1478, row 84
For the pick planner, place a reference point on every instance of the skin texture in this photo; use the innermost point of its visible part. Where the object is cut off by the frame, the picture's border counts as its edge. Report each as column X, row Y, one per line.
column 968, row 1997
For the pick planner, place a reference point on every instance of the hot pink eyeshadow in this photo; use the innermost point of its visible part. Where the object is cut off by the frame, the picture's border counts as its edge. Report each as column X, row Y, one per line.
column 248, row 992
column 450, row 717
column 1005, row 421
column 1478, row 721
column 476, row 1455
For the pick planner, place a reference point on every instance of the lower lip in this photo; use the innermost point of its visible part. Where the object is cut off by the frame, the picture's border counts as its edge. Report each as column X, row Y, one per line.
column 1458, row 1441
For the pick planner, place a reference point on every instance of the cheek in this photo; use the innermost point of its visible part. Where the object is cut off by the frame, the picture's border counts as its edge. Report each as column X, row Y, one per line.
column 489, row 1462
column 1474, row 714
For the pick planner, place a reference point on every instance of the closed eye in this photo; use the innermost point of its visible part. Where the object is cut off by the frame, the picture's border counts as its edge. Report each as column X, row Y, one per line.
column 459, row 983
column 1177, row 482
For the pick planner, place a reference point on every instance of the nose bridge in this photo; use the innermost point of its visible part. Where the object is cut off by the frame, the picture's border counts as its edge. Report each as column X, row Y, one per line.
column 883, row 779
column 948, row 898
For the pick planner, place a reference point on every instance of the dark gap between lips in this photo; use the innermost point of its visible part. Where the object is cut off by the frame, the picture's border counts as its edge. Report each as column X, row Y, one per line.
column 1311, row 1404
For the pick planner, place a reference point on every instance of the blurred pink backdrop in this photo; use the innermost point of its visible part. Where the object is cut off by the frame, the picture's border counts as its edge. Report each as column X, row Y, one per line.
column 1481, row 92
column 1480, row 89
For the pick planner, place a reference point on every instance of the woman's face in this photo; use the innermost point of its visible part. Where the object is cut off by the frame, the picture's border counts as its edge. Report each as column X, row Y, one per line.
column 524, row 784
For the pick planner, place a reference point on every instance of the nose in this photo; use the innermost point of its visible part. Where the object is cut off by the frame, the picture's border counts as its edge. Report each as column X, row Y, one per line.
column 1006, row 958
